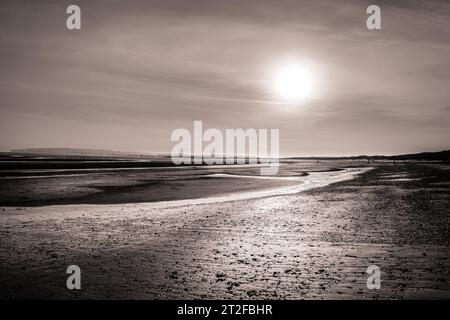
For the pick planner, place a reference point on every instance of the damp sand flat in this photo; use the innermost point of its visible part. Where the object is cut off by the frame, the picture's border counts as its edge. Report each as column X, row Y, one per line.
column 312, row 244
column 32, row 187
column 295, row 185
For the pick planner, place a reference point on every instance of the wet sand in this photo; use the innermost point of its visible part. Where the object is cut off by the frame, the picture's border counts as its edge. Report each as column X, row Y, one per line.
column 314, row 244
column 54, row 186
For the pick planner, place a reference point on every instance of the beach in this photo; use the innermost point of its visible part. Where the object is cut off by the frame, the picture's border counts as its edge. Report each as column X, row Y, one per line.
column 311, row 237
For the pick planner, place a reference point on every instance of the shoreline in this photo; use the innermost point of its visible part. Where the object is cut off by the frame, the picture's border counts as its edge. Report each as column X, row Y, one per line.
column 315, row 180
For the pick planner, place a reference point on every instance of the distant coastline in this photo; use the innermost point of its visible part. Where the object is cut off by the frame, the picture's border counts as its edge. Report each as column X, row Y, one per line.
column 103, row 154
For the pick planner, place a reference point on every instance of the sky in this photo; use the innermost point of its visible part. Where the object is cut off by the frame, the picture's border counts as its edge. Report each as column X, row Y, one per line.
column 137, row 70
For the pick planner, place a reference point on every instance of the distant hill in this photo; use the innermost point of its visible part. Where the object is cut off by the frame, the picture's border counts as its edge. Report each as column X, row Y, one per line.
column 79, row 152
column 441, row 155
column 429, row 156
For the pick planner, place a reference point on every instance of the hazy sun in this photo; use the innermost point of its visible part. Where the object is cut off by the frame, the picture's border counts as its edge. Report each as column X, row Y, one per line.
column 293, row 82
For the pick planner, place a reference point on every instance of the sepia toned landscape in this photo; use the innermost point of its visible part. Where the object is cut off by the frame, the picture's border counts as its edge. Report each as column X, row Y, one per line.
column 225, row 150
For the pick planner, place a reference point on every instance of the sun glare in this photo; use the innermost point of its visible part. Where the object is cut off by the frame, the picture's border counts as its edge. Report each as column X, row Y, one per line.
column 293, row 82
